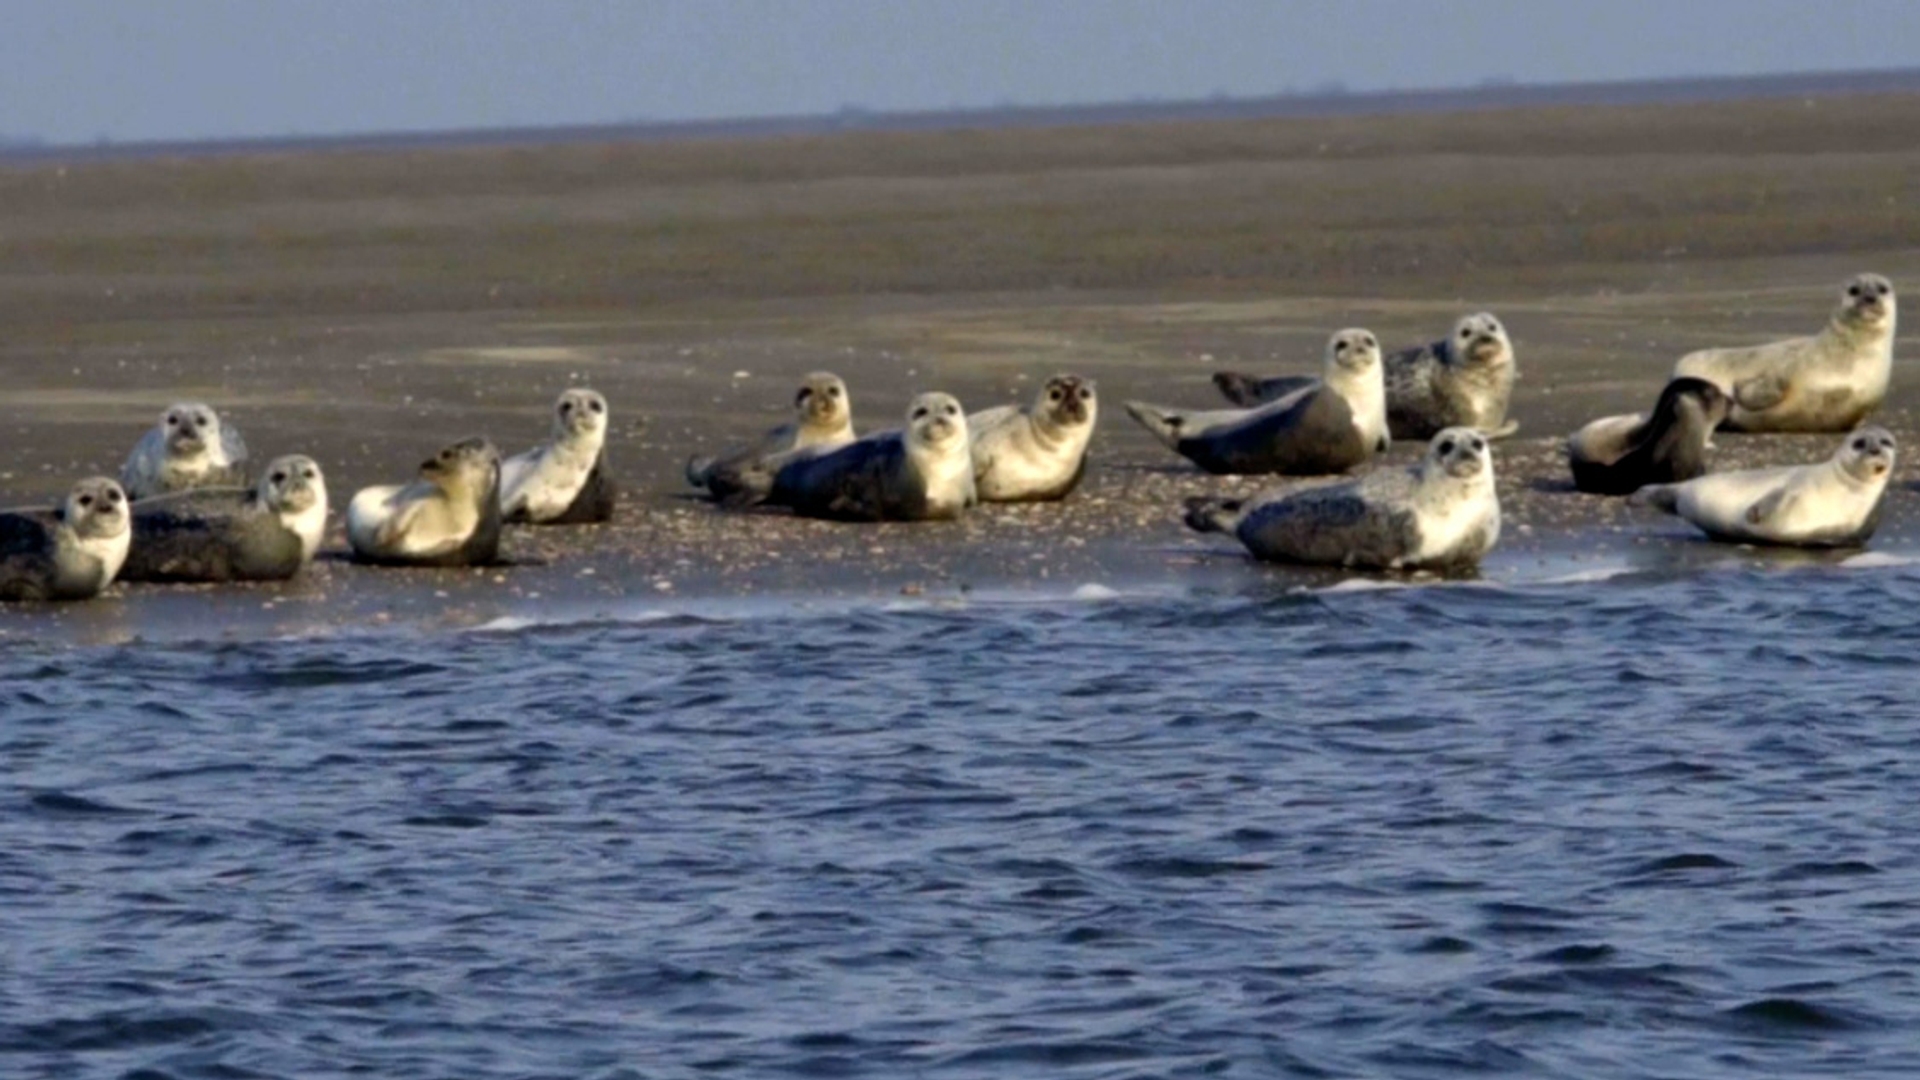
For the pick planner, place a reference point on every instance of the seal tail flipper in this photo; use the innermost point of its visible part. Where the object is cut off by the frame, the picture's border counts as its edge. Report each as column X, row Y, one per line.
column 699, row 471
column 1503, row 431
column 1164, row 425
column 1207, row 514
column 1665, row 497
column 1240, row 388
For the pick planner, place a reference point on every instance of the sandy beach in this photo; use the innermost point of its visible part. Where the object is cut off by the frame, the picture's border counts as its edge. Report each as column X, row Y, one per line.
column 366, row 307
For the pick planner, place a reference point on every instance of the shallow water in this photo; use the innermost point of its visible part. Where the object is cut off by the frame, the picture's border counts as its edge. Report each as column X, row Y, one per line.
column 1652, row 825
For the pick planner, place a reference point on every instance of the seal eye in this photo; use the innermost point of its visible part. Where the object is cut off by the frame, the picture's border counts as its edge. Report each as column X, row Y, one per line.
column 308, row 475
column 1367, row 341
column 86, row 500
column 1447, row 447
column 920, row 413
column 952, row 410
column 1054, row 394
column 172, row 420
column 594, row 406
column 1086, row 394
column 199, row 421
column 833, row 391
column 1859, row 444
column 1339, row 348
column 1853, row 290
column 1477, row 445
column 113, row 498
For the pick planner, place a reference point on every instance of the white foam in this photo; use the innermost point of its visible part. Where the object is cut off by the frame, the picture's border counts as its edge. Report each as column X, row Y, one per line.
column 1588, row 577
column 1093, row 590
column 1876, row 560
column 1361, row 584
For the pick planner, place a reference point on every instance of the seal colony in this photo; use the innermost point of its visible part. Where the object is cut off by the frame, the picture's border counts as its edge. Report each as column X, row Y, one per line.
column 193, row 521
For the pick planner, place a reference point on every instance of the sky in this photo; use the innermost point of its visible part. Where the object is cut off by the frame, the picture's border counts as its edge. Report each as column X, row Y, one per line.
column 132, row 70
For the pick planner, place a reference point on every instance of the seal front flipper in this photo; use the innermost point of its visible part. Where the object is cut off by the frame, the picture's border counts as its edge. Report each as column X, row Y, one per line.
column 1760, row 393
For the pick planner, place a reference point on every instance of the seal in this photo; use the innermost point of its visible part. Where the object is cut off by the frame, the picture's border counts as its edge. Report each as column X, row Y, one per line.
column 71, row 553
column 921, row 473
column 448, row 517
column 1439, row 513
column 564, row 482
column 822, row 419
column 1618, row 455
column 1829, row 382
column 1463, row 380
column 1037, row 453
column 1328, row 426
column 264, row 533
column 190, row 447
column 1834, row 503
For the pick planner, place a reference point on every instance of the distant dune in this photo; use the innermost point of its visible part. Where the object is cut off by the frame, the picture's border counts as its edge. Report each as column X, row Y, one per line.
column 1494, row 94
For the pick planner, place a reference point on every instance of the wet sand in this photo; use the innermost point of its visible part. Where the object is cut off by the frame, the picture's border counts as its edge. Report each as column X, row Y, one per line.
column 366, row 307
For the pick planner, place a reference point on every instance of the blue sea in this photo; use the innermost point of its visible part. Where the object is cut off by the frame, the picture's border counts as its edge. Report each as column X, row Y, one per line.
column 1653, row 825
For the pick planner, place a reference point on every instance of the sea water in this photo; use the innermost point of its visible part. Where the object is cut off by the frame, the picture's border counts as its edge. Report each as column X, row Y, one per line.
column 1596, row 827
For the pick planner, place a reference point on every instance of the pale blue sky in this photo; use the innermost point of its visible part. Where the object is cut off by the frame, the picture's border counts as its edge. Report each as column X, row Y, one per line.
column 75, row 70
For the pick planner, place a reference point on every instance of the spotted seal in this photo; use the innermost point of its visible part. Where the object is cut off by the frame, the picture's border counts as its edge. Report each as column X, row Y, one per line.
column 1439, row 513
column 1618, row 455
column 448, row 517
column 1833, row 503
column 1828, row 382
column 565, row 481
column 1328, row 426
column 921, row 473
column 190, row 447
column 1036, row 453
column 822, row 419
column 71, row 553
column 264, row 533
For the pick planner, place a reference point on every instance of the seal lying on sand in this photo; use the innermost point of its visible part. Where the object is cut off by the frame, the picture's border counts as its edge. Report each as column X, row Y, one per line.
column 190, row 447
column 1835, row 503
column 1037, row 453
column 1440, row 512
column 67, row 554
column 564, row 482
column 448, row 517
column 1828, row 382
column 823, row 419
column 1327, row 426
column 1464, row 380
column 923, row 473
column 267, row 533
column 1618, row 455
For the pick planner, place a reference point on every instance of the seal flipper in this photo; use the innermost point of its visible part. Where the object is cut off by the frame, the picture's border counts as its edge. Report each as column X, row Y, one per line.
column 1238, row 387
column 1207, row 514
column 1760, row 393
column 593, row 503
column 1163, row 424
column 1665, row 497
column 1768, row 506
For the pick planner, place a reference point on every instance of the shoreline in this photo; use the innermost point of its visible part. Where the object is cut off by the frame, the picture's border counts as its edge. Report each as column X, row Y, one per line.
column 367, row 309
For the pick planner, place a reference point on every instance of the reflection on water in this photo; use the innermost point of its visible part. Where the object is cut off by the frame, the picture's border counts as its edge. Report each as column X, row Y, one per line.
column 1652, row 824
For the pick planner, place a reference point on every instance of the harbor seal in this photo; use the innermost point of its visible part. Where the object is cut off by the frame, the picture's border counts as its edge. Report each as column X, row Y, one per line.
column 1835, row 503
column 1441, row 512
column 1463, row 380
column 190, row 447
column 1618, row 455
column 448, row 517
column 921, row 473
column 564, row 482
column 71, row 553
column 822, row 419
column 1326, row 427
column 264, row 533
column 1037, row 453
column 1828, row 382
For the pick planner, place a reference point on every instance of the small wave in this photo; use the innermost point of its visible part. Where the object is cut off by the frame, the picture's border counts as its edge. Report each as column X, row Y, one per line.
column 59, row 802
column 1095, row 591
column 1794, row 1014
